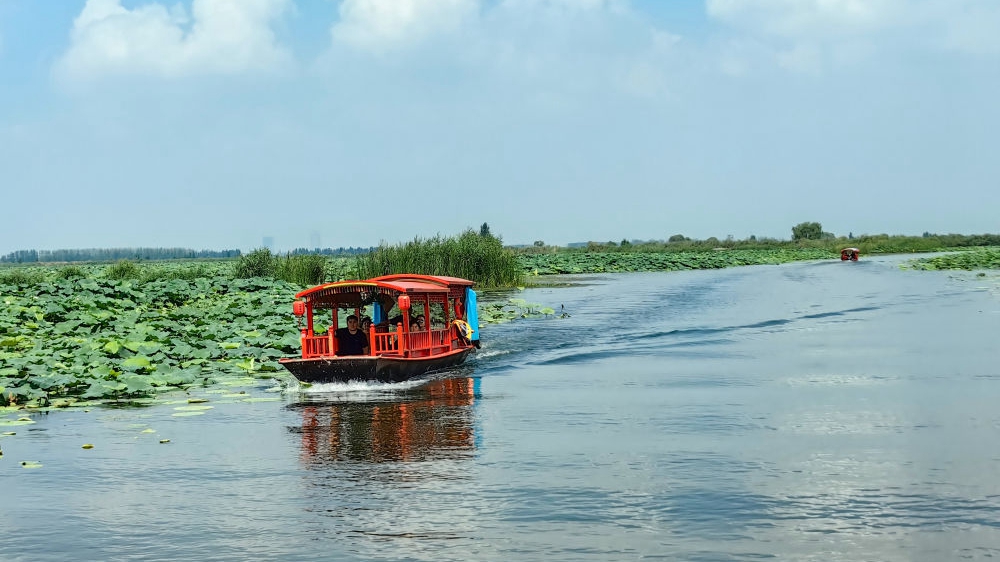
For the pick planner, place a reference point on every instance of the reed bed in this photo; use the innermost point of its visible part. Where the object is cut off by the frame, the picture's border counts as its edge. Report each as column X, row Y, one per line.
column 301, row 269
column 482, row 259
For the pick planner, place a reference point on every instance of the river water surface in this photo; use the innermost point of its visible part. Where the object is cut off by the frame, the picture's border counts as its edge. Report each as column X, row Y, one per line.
column 808, row 411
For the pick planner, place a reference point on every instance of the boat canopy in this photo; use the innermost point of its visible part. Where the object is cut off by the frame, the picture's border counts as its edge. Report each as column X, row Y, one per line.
column 855, row 250
column 434, row 279
column 383, row 290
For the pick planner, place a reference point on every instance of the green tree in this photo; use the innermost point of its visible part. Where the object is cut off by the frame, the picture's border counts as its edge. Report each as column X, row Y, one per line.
column 807, row 231
column 484, row 231
column 677, row 238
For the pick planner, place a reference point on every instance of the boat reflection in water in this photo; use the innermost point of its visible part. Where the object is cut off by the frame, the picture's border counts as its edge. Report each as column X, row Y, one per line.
column 432, row 421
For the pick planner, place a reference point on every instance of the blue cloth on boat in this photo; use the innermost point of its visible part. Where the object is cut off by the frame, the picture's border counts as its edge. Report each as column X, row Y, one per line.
column 471, row 312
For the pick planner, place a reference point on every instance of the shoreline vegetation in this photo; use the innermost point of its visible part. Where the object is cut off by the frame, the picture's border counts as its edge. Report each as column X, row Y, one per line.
column 124, row 332
column 483, row 258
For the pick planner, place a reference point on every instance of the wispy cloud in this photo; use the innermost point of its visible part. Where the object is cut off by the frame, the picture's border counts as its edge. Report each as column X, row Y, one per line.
column 386, row 25
column 546, row 48
column 809, row 35
column 217, row 37
column 808, row 18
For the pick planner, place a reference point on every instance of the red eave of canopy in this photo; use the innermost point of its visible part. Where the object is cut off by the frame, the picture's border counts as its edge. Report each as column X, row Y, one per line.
column 403, row 283
column 435, row 279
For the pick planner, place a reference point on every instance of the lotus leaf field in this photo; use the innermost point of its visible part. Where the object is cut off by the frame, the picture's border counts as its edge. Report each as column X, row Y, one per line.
column 987, row 258
column 614, row 262
column 72, row 340
column 66, row 341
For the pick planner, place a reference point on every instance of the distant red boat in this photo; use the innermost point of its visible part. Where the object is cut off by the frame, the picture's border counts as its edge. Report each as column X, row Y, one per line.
column 396, row 346
column 849, row 254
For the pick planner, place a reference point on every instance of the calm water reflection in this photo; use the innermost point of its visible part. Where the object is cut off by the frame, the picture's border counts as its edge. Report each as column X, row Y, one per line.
column 437, row 424
column 812, row 411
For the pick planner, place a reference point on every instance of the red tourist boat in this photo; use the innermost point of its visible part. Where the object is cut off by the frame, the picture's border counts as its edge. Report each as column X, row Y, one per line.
column 419, row 324
column 849, row 254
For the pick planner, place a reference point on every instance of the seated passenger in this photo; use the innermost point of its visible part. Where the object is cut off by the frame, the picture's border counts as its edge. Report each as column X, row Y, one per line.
column 351, row 340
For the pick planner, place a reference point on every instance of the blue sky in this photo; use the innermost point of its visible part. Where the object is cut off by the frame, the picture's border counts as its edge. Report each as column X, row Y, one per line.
column 215, row 123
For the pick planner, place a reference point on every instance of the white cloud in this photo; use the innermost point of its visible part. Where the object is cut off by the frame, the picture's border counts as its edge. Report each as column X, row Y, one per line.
column 218, row 37
column 384, row 25
column 387, row 25
column 966, row 26
column 808, row 18
column 555, row 49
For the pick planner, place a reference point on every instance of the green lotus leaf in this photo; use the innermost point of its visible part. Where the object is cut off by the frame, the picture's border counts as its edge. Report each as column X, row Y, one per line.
column 185, row 415
column 66, row 327
column 149, row 347
column 247, row 366
column 229, row 345
column 31, row 464
column 136, row 384
column 112, row 347
column 21, row 421
column 101, row 371
column 102, row 389
column 193, row 363
column 51, row 381
column 133, row 345
column 137, row 361
column 193, row 408
column 291, row 341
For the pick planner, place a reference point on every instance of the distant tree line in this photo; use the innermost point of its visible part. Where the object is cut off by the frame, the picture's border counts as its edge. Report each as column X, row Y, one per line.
column 113, row 254
column 352, row 251
column 805, row 234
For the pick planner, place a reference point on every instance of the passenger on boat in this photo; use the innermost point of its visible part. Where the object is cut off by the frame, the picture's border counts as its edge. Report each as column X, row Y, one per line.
column 351, row 340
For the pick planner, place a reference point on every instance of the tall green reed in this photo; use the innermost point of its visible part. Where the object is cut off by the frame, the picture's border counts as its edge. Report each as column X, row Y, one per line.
column 482, row 259
column 302, row 269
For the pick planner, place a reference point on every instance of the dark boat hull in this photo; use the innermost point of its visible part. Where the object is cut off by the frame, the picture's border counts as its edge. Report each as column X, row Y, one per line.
column 381, row 369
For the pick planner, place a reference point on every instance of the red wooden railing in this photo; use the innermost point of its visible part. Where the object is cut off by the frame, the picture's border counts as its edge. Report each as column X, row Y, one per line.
column 318, row 346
